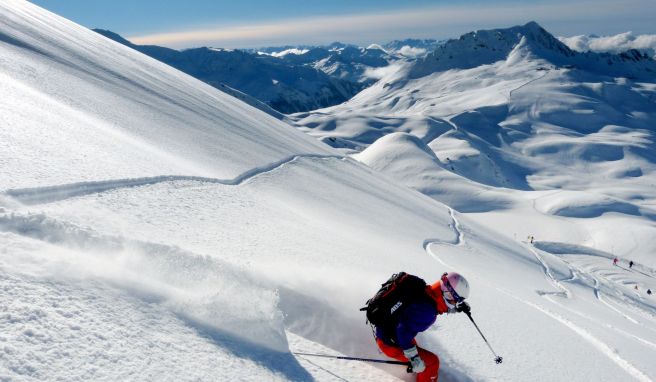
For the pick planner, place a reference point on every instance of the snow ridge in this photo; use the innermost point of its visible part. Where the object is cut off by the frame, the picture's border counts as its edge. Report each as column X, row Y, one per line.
column 38, row 195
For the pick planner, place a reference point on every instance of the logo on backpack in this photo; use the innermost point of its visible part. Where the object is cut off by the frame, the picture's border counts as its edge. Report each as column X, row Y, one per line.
column 395, row 307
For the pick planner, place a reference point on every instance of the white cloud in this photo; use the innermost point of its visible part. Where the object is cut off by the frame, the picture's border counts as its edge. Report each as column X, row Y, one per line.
column 382, row 72
column 410, row 51
column 617, row 43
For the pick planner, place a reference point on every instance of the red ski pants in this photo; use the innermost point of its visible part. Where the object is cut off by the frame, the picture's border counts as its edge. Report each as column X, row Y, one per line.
column 431, row 361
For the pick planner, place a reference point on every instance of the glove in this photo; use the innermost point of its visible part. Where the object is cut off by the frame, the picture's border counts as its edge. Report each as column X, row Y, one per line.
column 463, row 307
column 416, row 363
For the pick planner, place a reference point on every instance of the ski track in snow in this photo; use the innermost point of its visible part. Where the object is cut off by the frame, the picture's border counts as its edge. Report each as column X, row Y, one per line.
column 575, row 273
column 459, row 241
column 40, row 195
column 606, row 349
column 595, row 277
column 510, row 93
column 547, row 272
column 598, row 295
column 600, row 345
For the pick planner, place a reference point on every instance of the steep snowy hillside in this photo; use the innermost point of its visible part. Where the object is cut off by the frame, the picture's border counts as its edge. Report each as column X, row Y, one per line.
column 282, row 85
column 155, row 228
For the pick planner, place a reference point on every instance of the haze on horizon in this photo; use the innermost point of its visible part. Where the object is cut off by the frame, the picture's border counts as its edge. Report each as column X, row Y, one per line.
column 294, row 22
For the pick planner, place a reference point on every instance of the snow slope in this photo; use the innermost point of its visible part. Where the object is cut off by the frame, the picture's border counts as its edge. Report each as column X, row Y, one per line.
column 153, row 228
column 76, row 84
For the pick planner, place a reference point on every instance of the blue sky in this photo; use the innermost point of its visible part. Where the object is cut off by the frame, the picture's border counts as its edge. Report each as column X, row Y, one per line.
column 254, row 23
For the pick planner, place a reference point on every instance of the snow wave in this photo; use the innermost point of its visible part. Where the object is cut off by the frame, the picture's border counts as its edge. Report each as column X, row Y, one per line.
column 209, row 295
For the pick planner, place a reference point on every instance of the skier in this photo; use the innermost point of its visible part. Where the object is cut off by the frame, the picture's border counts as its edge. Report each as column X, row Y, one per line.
column 615, row 261
column 631, row 264
column 397, row 339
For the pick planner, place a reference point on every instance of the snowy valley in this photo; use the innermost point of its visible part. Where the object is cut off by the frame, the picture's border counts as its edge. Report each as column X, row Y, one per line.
column 153, row 227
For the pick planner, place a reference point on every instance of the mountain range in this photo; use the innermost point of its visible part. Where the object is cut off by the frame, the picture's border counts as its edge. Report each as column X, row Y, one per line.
column 286, row 81
column 510, row 96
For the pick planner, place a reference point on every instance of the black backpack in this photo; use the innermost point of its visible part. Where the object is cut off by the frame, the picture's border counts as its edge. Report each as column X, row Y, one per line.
column 394, row 295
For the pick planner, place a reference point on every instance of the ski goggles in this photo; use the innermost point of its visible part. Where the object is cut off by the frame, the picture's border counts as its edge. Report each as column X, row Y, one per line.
column 455, row 296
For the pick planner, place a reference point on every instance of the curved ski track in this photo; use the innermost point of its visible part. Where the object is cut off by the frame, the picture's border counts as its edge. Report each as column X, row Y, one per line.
column 48, row 194
column 459, row 240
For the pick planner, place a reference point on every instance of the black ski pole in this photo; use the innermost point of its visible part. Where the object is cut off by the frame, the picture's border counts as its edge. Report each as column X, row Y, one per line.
column 355, row 358
column 497, row 358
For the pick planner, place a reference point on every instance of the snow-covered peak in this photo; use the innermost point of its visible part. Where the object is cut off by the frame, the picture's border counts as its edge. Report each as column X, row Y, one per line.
column 376, row 47
column 486, row 47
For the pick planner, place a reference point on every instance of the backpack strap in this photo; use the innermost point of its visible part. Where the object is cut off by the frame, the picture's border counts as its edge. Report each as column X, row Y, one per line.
column 435, row 292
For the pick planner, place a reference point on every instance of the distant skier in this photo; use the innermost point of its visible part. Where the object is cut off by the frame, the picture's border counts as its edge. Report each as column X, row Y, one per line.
column 615, row 261
column 405, row 306
column 631, row 264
